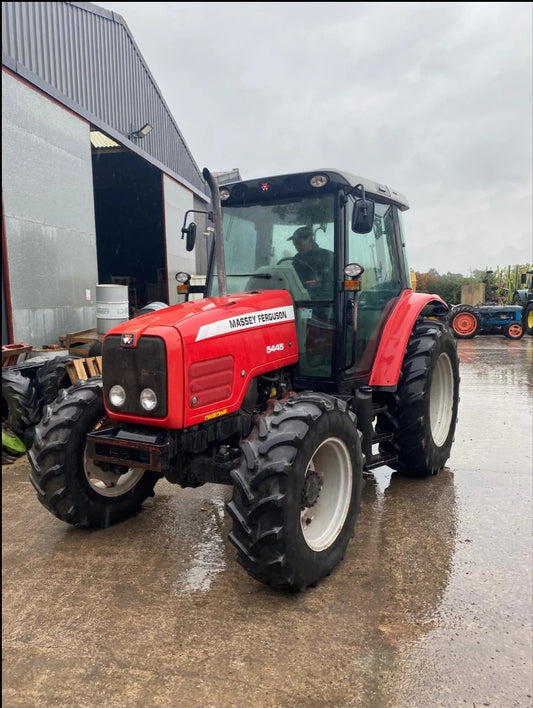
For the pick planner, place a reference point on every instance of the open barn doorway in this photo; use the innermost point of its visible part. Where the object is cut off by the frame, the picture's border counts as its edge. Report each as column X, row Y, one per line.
column 128, row 201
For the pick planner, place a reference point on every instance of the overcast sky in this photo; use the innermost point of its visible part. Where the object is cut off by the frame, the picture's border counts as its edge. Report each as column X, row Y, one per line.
column 433, row 99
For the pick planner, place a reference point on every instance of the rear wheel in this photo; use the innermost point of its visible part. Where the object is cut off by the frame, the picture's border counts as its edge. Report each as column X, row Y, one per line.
column 528, row 318
column 422, row 413
column 68, row 484
column 464, row 322
column 296, row 492
column 513, row 331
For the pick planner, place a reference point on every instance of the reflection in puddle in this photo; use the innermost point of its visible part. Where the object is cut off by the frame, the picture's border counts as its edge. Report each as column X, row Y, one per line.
column 381, row 478
column 208, row 553
column 409, row 525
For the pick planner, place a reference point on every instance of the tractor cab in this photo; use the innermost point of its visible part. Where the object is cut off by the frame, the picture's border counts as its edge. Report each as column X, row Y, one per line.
column 350, row 223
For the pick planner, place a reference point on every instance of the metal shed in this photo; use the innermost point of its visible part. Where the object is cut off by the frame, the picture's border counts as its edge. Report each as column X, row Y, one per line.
column 96, row 174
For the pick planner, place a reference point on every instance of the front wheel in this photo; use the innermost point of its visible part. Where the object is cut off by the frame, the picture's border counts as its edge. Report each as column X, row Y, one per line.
column 513, row 331
column 421, row 414
column 296, row 492
column 68, row 484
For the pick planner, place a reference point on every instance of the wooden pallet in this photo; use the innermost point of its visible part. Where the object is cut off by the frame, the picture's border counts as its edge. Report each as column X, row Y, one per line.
column 81, row 369
column 15, row 353
column 79, row 342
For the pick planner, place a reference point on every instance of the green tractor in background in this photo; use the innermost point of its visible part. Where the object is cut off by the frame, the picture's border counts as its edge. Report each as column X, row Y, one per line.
column 524, row 298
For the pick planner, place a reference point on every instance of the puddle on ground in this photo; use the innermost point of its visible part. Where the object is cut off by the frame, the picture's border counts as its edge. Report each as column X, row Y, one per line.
column 208, row 553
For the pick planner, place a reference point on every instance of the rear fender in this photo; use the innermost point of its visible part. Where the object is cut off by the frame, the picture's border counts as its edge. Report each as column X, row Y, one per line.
column 396, row 333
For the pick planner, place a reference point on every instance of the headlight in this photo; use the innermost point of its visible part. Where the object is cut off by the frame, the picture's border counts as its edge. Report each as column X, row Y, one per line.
column 148, row 399
column 182, row 277
column 117, row 396
column 353, row 270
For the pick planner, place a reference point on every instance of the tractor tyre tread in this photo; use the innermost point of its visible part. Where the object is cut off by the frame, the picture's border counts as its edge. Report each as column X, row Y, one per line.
column 528, row 318
column 266, row 497
column 20, row 404
column 50, row 378
column 57, row 461
column 408, row 409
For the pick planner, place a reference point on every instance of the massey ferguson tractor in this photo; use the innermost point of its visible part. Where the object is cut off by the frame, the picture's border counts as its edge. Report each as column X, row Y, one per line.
column 285, row 383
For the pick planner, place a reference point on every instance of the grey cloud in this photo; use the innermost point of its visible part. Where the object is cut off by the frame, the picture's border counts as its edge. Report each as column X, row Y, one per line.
column 432, row 98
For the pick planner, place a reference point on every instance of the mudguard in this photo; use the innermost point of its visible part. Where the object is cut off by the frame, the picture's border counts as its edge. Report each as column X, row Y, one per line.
column 396, row 333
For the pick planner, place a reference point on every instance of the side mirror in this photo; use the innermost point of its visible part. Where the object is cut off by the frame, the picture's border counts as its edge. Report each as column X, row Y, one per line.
column 190, row 233
column 363, row 216
column 523, row 278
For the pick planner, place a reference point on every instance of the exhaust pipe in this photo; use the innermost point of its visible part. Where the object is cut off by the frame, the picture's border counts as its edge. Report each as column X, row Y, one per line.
column 219, row 236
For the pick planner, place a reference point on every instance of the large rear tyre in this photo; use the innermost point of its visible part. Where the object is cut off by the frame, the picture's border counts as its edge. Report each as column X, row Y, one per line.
column 67, row 483
column 422, row 412
column 464, row 322
column 296, row 492
column 528, row 318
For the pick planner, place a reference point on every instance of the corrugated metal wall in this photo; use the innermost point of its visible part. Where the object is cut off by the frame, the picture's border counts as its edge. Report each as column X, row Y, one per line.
column 49, row 216
column 86, row 55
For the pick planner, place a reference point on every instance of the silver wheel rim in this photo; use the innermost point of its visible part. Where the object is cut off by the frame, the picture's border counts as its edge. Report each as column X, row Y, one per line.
column 107, row 483
column 441, row 400
column 323, row 521
column 110, row 484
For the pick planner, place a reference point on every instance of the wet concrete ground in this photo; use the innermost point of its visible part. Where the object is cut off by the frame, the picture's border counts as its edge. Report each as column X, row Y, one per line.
column 432, row 605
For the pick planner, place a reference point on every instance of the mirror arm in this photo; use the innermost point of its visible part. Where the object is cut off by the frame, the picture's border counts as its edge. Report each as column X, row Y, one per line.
column 184, row 228
column 352, row 190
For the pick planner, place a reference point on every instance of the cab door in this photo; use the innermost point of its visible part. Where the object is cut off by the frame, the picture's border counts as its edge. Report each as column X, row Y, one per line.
column 381, row 283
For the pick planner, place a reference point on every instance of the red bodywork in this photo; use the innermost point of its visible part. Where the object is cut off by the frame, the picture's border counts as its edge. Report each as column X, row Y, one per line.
column 396, row 333
column 215, row 347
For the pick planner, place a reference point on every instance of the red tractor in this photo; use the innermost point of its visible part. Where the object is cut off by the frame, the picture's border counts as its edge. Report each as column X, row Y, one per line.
column 288, row 380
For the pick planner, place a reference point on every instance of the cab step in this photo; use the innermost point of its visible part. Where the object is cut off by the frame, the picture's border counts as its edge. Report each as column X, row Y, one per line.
column 379, row 461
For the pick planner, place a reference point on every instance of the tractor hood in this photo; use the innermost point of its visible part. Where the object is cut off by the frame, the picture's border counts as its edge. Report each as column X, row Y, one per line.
column 203, row 355
column 212, row 317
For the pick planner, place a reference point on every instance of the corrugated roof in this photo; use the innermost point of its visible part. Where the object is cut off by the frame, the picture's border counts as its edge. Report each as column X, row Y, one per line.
column 85, row 57
column 99, row 140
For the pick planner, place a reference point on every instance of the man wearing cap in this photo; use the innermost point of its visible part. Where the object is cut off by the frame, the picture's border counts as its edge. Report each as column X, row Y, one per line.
column 313, row 264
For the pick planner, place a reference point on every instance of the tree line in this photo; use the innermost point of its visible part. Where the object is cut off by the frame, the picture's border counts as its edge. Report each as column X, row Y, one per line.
column 500, row 283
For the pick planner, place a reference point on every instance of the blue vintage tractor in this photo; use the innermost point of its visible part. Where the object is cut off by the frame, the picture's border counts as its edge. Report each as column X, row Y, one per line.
column 488, row 317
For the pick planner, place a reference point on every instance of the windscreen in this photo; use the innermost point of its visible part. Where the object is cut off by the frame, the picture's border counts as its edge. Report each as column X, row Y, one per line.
column 259, row 251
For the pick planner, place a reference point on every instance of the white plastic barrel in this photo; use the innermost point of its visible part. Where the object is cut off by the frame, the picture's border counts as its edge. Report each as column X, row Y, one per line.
column 112, row 306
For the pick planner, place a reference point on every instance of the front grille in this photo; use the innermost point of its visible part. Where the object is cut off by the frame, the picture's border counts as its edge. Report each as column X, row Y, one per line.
column 136, row 368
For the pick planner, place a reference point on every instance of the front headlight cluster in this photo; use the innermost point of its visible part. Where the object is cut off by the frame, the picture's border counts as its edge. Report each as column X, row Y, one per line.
column 135, row 377
column 147, row 397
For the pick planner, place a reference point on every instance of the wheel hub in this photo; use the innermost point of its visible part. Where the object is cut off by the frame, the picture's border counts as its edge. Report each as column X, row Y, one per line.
column 311, row 489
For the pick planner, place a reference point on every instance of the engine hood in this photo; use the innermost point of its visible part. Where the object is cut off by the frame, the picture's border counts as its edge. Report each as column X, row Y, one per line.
column 212, row 317
column 214, row 348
